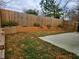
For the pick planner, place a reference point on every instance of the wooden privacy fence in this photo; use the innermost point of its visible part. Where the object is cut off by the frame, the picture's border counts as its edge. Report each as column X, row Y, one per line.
column 70, row 25
column 27, row 19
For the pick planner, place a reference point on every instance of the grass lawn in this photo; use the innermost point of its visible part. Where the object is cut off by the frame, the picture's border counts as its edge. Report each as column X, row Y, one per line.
column 29, row 46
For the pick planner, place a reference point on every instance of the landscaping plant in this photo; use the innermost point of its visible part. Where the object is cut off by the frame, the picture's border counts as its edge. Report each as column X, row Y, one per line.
column 37, row 24
column 9, row 23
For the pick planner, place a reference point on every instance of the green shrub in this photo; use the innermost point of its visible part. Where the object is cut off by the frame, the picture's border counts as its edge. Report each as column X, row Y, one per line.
column 9, row 23
column 36, row 24
column 8, row 54
column 77, row 57
column 48, row 26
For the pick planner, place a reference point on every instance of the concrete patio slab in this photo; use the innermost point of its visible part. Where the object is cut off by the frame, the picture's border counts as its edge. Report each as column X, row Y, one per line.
column 68, row 41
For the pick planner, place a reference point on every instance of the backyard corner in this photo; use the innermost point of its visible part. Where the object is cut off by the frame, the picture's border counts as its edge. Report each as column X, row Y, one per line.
column 23, row 42
column 22, row 36
column 39, row 29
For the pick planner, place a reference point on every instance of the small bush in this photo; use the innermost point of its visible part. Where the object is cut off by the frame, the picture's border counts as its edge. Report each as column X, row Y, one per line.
column 77, row 57
column 9, row 23
column 36, row 24
column 48, row 26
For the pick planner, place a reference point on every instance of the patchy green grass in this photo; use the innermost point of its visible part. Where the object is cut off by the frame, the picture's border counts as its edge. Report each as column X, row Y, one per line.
column 8, row 54
column 29, row 46
column 44, row 33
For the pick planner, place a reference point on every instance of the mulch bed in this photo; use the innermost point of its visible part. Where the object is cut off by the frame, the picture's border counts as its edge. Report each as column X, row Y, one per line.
column 17, row 29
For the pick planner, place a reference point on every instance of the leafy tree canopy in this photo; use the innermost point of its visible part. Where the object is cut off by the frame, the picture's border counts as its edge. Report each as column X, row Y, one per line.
column 30, row 11
column 50, row 8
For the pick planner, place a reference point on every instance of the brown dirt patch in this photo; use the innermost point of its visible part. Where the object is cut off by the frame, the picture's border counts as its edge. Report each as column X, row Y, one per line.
column 31, row 29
